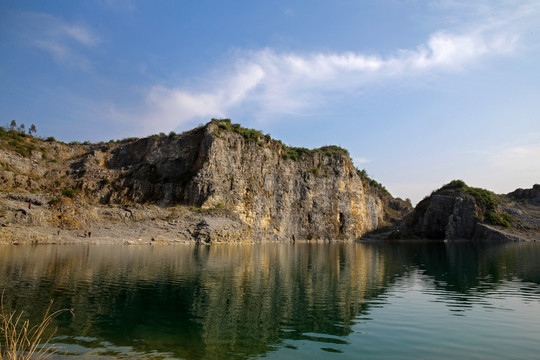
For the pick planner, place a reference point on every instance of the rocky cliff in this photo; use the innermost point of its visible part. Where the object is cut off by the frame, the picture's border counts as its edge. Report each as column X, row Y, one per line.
column 261, row 188
column 459, row 212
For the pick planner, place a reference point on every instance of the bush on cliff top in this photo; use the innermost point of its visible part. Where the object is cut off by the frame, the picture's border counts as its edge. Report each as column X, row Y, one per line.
column 368, row 182
column 293, row 153
column 487, row 201
column 248, row 134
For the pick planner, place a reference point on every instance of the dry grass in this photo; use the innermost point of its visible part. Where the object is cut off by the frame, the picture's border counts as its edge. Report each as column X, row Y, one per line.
column 20, row 341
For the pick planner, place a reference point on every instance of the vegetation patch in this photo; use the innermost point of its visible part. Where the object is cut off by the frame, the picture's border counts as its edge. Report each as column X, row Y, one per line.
column 17, row 141
column 294, row 153
column 332, row 150
column 23, row 341
column 289, row 152
column 487, row 201
column 371, row 184
column 69, row 193
column 54, row 201
column 250, row 135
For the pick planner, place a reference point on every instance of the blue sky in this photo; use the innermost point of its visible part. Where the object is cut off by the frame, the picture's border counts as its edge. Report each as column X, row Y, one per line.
column 419, row 92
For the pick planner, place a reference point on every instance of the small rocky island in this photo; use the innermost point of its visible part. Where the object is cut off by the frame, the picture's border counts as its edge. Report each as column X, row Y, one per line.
column 460, row 212
column 222, row 183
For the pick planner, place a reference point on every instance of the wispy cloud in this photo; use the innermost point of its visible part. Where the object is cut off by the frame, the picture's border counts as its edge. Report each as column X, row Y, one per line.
column 520, row 161
column 121, row 5
column 171, row 107
column 63, row 41
column 505, row 167
column 80, row 34
column 270, row 82
column 361, row 161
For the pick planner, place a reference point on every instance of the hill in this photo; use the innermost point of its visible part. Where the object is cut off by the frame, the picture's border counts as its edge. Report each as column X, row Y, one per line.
column 457, row 211
column 217, row 183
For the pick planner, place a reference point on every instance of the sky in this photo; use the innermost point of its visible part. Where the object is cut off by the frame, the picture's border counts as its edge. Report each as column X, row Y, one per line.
column 419, row 92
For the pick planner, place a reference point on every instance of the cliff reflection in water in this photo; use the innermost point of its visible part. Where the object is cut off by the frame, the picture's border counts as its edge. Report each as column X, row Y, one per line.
column 236, row 301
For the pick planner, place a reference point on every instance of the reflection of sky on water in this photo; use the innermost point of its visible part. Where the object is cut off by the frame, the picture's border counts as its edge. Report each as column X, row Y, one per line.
column 283, row 300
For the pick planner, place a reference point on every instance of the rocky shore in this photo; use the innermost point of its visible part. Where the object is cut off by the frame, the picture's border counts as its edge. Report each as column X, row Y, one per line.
column 110, row 224
column 222, row 183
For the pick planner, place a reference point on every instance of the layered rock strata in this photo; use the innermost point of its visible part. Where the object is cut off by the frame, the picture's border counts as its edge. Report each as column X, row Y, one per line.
column 257, row 187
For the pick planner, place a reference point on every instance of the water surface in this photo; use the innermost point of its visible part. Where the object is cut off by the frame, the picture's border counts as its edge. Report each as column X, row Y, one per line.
column 284, row 301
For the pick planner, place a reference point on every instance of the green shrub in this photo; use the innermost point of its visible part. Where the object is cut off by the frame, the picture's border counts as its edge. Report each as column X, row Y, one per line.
column 371, row 183
column 294, row 153
column 487, row 201
column 220, row 206
column 502, row 219
column 70, row 193
column 455, row 185
column 331, row 150
column 248, row 134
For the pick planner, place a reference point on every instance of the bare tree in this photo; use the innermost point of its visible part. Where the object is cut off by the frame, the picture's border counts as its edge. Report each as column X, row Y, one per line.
column 32, row 129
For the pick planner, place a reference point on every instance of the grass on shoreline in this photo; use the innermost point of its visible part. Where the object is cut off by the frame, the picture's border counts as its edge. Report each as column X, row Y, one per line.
column 20, row 341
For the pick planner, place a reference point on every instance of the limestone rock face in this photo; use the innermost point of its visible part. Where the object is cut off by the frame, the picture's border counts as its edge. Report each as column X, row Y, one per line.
column 315, row 194
column 462, row 222
column 448, row 217
column 319, row 196
column 529, row 195
column 457, row 212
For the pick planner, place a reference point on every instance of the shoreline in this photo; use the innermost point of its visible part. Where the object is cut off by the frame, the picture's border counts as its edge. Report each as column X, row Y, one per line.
column 152, row 225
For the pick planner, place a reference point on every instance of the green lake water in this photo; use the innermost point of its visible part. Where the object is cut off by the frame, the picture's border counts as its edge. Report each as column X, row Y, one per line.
column 421, row 300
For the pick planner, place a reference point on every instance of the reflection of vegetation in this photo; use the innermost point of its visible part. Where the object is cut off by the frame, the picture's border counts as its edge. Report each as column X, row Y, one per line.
column 241, row 301
column 194, row 301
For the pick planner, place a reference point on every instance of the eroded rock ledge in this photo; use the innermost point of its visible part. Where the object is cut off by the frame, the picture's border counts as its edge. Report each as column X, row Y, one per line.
column 216, row 183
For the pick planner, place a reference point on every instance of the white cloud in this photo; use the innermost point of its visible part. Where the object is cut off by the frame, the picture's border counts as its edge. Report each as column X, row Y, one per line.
column 519, row 161
column 271, row 82
column 361, row 160
column 59, row 38
column 80, row 34
column 504, row 168
column 171, row 107
column 268, row 82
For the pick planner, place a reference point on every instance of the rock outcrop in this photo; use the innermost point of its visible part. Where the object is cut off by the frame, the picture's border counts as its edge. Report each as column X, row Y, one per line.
column 261, row 188
column 459, row 212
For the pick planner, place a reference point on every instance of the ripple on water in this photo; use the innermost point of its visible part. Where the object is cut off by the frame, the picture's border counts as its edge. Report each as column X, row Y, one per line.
column 333, row 301
column 81, row 347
